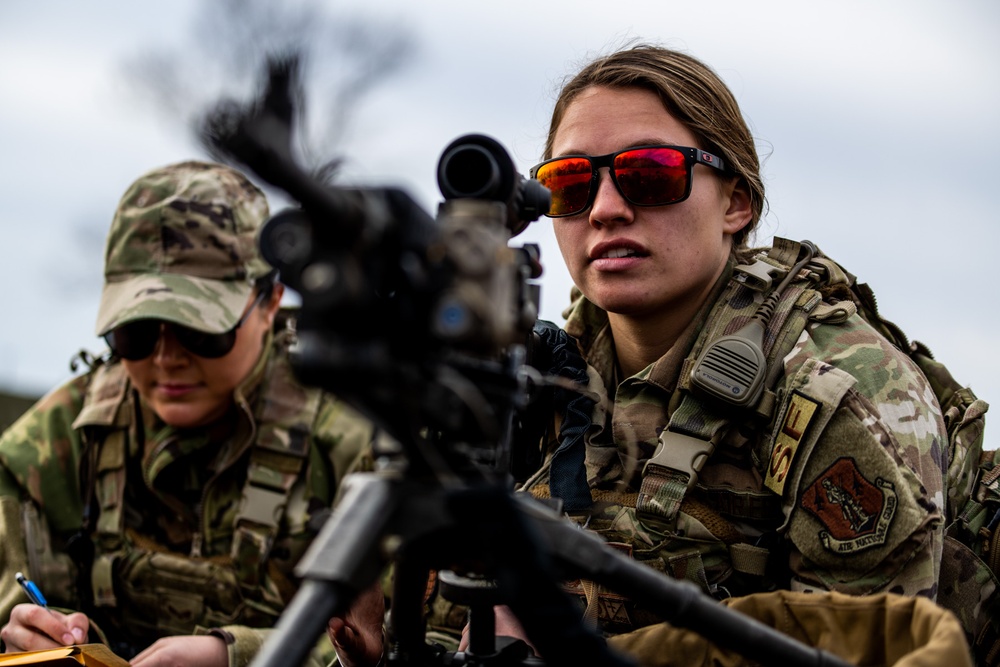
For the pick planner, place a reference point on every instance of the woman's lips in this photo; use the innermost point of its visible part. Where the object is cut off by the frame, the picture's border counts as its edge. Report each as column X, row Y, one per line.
column 175, row 389
column 616, row 255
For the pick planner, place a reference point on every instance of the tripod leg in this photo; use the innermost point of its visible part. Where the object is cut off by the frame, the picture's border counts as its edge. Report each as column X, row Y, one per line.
column 343, row 560
column 527, row 580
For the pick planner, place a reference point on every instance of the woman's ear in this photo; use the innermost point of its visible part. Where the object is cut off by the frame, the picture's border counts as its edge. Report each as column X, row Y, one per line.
column 739, row 210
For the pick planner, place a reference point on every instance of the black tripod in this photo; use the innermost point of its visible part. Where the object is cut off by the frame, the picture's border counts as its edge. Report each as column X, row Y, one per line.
column 526, row 549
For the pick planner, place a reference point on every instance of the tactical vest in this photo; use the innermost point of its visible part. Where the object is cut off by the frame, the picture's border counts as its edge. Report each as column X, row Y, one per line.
column 697, row 543
column 149, row 591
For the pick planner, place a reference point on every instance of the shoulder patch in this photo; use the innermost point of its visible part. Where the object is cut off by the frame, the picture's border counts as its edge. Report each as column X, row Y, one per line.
column 801, row 410
column 855, row 512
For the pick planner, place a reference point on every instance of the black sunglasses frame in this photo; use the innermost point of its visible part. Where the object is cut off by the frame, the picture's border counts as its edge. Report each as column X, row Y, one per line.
column 199, row 343
column 692, row 156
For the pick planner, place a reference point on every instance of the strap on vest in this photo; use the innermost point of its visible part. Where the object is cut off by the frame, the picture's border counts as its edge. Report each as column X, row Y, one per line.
column 748, row 558
column 109, row 479
column 673, row 470
column 109, row 489
column 697, row 425
column 276, row 461
column 591, row 615
column 102, row 579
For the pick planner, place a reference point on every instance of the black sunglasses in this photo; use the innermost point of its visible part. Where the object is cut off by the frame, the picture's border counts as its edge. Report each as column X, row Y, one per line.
column 137, row 340
column 644, row 175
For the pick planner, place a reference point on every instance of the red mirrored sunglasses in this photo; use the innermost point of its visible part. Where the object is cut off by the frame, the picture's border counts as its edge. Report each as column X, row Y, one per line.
column 644, row 175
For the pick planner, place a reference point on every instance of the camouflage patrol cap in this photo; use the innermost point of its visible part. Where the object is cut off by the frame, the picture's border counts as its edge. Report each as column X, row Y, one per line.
column 182, row 247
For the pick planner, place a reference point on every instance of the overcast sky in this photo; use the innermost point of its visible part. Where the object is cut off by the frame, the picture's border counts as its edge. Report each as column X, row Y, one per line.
column 877, row 122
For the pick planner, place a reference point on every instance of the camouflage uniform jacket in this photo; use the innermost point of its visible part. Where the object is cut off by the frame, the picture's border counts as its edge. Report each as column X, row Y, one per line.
column 833, row 482
column 190, row 531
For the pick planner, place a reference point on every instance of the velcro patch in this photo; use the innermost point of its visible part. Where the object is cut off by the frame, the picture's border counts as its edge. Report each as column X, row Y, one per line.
column 801, row 410
column 855, row 512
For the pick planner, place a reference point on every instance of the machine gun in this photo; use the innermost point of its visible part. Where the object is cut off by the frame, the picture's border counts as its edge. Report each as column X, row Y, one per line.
column 425, row 325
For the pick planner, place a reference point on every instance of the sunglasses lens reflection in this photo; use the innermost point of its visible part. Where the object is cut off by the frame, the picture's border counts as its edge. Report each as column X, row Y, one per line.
column 652, row 176
column 569, row 181
column 644, row 176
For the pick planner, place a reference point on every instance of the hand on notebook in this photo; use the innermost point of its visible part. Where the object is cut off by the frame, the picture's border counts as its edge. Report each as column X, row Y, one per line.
column 191, row 651
column 33, row 627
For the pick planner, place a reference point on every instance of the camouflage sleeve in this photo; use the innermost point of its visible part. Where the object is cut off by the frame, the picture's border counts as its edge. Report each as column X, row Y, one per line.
column 344, row 435
column 38, row 464
column 858, row 460
column 243, row 643
column 40, row 452
column 13, row 556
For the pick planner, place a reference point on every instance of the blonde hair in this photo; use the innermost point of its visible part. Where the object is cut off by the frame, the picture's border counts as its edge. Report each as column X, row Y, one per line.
column 693, row 94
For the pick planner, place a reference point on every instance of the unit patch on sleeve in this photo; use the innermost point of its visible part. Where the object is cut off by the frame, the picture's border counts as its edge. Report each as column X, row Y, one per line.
column 801, row 410
column 855, row 513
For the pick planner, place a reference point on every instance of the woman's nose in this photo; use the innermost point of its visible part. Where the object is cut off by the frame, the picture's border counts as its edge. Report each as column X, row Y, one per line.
column 168, row 349
column 609, row 205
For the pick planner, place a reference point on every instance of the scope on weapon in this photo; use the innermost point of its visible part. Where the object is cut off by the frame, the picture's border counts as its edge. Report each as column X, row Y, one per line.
column 475, row 166
column 398, row 298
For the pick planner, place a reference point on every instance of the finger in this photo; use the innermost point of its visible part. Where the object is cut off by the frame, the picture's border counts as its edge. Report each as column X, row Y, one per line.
column 79, row 627
column 148, row 657
column 43, row 621
column 334, row 628
column 19, row 638
column 346, row 638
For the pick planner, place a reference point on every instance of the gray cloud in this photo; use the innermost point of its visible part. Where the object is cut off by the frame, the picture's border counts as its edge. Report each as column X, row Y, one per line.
column 878, row 122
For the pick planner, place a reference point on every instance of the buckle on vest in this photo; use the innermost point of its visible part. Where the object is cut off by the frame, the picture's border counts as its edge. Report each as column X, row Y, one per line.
column 757, row 276
column 680, row 453
column 261, row 505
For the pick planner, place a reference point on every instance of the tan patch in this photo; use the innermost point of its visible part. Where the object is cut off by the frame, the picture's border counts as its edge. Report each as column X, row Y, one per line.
column 801, row 410
column 612, row 609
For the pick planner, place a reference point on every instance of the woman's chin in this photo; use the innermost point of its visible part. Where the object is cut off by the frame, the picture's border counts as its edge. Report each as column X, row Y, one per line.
column 187, row 415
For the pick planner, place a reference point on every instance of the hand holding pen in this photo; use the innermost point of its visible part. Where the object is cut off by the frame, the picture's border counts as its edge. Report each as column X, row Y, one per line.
column 31, row 629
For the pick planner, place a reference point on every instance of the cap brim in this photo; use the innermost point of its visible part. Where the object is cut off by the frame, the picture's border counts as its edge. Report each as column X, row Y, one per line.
column 207, row 305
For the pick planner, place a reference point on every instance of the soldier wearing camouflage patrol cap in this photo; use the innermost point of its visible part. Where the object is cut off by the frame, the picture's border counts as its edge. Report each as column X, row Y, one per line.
column 182, row 248
column 162, row 499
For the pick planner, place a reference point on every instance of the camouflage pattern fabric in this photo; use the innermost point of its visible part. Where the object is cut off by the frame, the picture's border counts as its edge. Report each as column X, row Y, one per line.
column 182, row 248
column 180, row 488
column 971, row 561
column 971, row 565
column 834, row 483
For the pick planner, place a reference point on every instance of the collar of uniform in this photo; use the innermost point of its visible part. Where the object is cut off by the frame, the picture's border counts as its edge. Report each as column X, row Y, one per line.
column 584, row 320
column 665, row 371
column 246, row 390
column 105, row 395
column 589, row 325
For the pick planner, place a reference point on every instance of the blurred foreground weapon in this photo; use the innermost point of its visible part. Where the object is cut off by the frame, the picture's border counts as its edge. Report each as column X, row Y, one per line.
column 424, row 324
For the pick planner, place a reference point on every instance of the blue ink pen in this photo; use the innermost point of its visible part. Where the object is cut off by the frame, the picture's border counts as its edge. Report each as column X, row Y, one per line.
column 31, row 590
